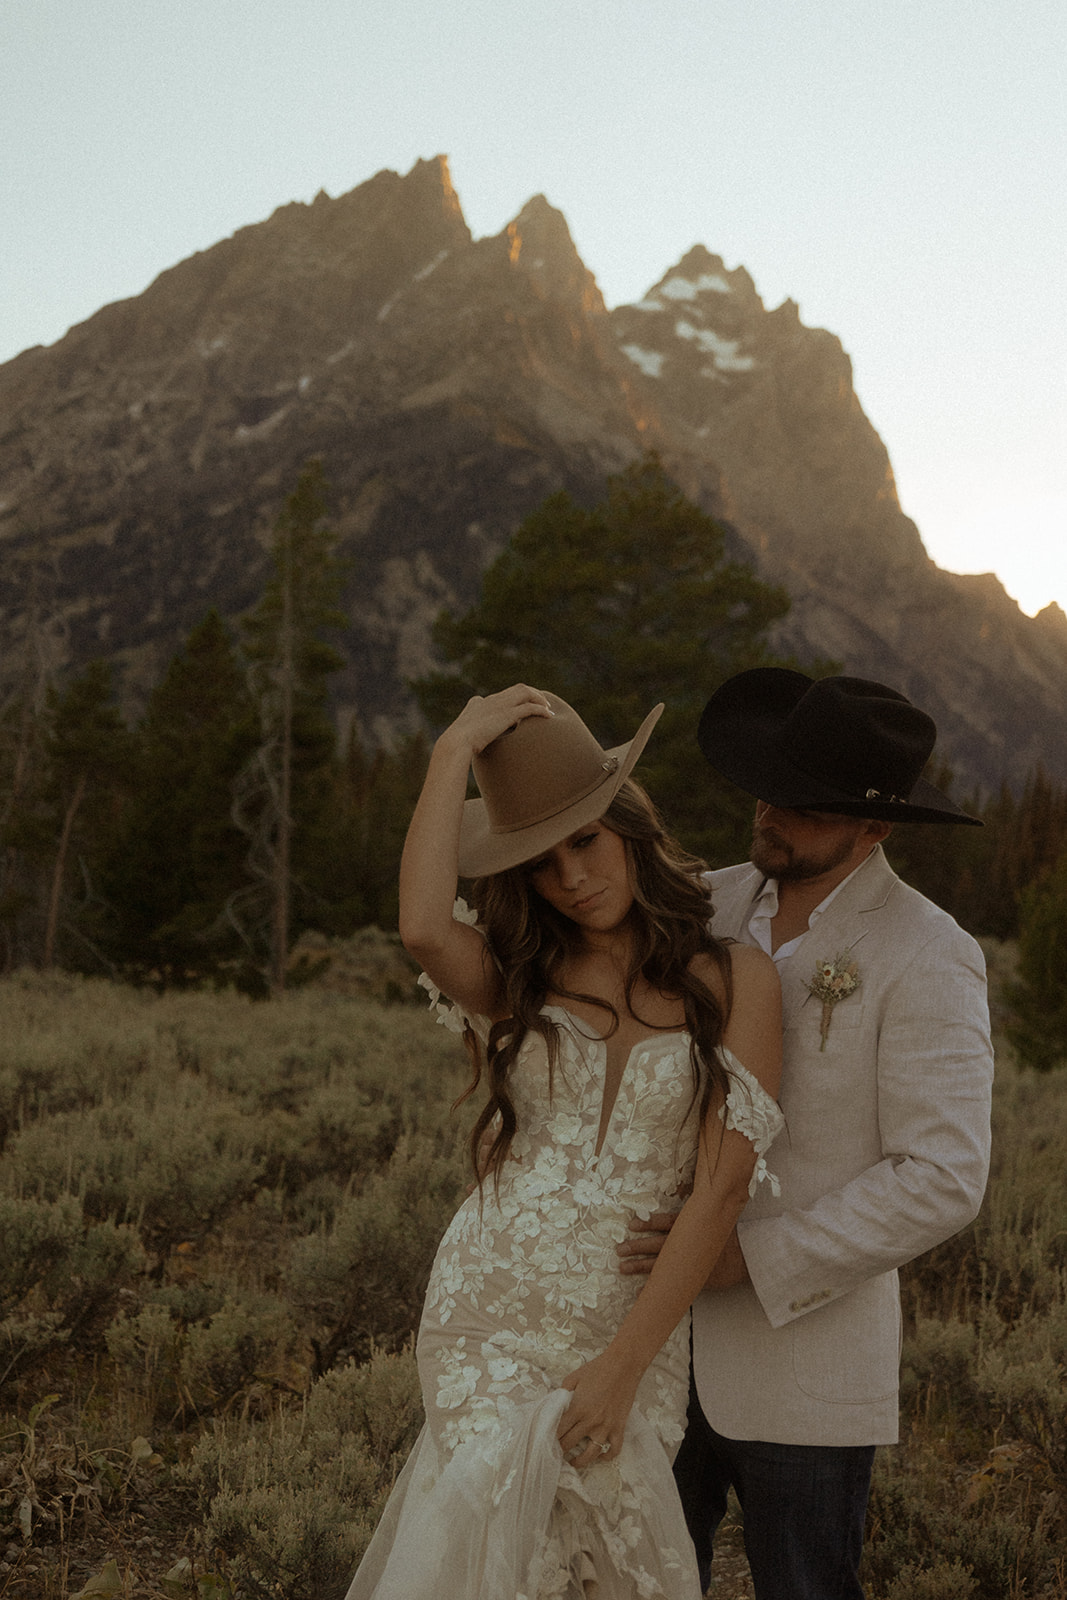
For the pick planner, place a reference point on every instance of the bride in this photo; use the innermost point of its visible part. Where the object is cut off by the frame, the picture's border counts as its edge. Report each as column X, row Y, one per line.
column 631, row 1060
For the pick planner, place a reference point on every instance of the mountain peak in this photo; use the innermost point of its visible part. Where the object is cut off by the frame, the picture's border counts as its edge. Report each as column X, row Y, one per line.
column 433, row 179
column 1053, row 618
column 540, row 245
column 420, row 202
column 449, row 385
column 702, row 276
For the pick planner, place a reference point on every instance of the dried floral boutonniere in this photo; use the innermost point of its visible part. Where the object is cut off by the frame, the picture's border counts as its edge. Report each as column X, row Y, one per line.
column 834, row 980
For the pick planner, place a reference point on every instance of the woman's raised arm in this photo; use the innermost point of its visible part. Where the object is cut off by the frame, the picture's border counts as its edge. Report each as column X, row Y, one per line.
column 453, row 954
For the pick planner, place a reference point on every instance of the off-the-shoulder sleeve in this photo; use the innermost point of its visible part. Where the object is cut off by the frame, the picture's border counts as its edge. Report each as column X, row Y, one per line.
column 750, row 1110
column 449, row 1014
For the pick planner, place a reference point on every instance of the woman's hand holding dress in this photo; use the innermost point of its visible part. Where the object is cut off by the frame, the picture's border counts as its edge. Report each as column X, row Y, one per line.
column 604, row 1393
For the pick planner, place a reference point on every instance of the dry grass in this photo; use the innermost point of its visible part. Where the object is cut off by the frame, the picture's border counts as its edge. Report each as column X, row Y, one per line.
column 318, row 1159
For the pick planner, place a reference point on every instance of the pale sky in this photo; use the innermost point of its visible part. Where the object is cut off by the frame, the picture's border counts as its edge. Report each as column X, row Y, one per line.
column 897, row 167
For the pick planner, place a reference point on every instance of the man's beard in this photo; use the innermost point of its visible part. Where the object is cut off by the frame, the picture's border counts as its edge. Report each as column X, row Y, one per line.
column 776, row 858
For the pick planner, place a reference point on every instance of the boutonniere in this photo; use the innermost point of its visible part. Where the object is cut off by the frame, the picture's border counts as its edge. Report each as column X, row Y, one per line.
column 834, row 980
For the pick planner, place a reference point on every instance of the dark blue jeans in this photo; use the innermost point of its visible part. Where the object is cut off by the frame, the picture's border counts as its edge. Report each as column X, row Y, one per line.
column 803, row 1509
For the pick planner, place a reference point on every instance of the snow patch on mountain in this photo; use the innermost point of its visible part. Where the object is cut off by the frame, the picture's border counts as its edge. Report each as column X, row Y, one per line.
column 650, row 361
column 723, row 351
column 688, row 288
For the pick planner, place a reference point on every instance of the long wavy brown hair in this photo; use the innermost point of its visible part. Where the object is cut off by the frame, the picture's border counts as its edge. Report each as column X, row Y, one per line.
column 530, row 942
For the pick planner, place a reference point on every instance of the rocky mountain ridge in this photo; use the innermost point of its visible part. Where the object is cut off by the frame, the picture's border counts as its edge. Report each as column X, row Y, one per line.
column 449, row 385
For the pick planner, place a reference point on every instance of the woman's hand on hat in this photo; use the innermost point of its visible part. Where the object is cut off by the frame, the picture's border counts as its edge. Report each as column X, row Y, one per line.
column 485, row 717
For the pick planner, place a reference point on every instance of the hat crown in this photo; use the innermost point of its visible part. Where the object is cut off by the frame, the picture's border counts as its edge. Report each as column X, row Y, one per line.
column 864, row 738
column 540, row 781
column 839, row 744
column 539, row 767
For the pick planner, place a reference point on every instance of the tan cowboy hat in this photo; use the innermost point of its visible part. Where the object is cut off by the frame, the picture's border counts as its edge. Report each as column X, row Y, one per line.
column 539, row 781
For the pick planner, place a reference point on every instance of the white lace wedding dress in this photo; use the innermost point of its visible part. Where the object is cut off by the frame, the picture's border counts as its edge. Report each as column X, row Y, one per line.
column 526, row 1286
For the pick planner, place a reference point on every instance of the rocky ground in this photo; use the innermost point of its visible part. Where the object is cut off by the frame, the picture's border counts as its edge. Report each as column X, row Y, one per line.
column 730, row 1577
column 142, row 1554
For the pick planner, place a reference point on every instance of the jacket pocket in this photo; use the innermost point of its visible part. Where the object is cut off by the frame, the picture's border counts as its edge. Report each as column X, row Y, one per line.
column 846, row 1019
column 848, row 1351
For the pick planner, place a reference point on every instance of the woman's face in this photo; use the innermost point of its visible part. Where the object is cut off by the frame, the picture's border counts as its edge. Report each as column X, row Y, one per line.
column 586, row 878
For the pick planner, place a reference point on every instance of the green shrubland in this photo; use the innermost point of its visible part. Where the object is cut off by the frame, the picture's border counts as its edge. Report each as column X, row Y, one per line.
column 217, row 1219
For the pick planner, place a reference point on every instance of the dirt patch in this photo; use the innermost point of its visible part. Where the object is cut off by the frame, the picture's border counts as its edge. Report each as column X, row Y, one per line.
column 730, row 1577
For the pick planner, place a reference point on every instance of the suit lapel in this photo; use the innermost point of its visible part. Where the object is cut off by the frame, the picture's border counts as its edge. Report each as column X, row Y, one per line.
column 831, row 936
column 732, row 902
column 842, row 927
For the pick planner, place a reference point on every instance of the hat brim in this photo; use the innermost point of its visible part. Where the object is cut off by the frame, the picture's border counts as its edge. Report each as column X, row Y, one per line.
column 483, row 851
column 741, row 739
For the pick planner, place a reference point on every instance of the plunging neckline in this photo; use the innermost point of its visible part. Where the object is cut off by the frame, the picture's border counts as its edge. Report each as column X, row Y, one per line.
column 607, row 1112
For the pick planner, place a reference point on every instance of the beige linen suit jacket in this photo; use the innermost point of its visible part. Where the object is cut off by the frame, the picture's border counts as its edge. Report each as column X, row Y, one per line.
column 885, row 1153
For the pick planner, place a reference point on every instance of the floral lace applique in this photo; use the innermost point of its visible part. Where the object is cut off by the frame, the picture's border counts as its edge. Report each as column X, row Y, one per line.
column 526, row 1286
column 750, row 1110
column 449, row 1014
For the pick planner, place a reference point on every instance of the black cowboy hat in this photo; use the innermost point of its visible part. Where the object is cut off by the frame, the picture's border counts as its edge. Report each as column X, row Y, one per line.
column 837, row 744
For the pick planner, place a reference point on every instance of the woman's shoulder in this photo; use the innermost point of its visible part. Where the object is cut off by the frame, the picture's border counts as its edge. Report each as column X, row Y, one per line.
column 748, row 966
column 754, row 976
column 753, row 1033
column 751, row 965
column 712, row 967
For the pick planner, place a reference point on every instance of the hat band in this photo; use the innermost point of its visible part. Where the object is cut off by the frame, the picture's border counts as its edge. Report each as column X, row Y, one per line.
column 849, row 786
column 607, row 767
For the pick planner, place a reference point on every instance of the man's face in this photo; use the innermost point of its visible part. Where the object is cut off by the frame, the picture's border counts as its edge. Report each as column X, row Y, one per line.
column 796, row 846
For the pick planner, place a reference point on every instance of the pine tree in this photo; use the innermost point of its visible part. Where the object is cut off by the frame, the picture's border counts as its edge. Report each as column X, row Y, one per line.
column 87, row 762
column 37, row 644
column 284, row 790
column 1038, row 996
column 943, row 863
column 179, row 855
column 1022, row 839
column 392, row 791
column 616, row 608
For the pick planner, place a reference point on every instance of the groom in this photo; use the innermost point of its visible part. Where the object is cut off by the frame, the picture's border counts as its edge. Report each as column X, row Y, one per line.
column 887, row 1070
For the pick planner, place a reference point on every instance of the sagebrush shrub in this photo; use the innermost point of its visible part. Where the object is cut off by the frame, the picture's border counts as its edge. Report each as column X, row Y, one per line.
column 943, row 1580
column 936, row 1369
column 378, row 1400
column 173, row 1163
column 1038, row 996
column 146, row 1349
column 246, row 1341
column 69, row 1043
column 291, row 1503
column 101, row 1263
column 1021, row 1368
column 915, row 1519
column 287, row 1542
column 361, row 1281
column 27, row 1339
column 60, row 1277
column 35, row 1235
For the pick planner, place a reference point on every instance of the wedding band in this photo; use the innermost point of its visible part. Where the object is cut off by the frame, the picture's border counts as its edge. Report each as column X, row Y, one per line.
column 605, row 1447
